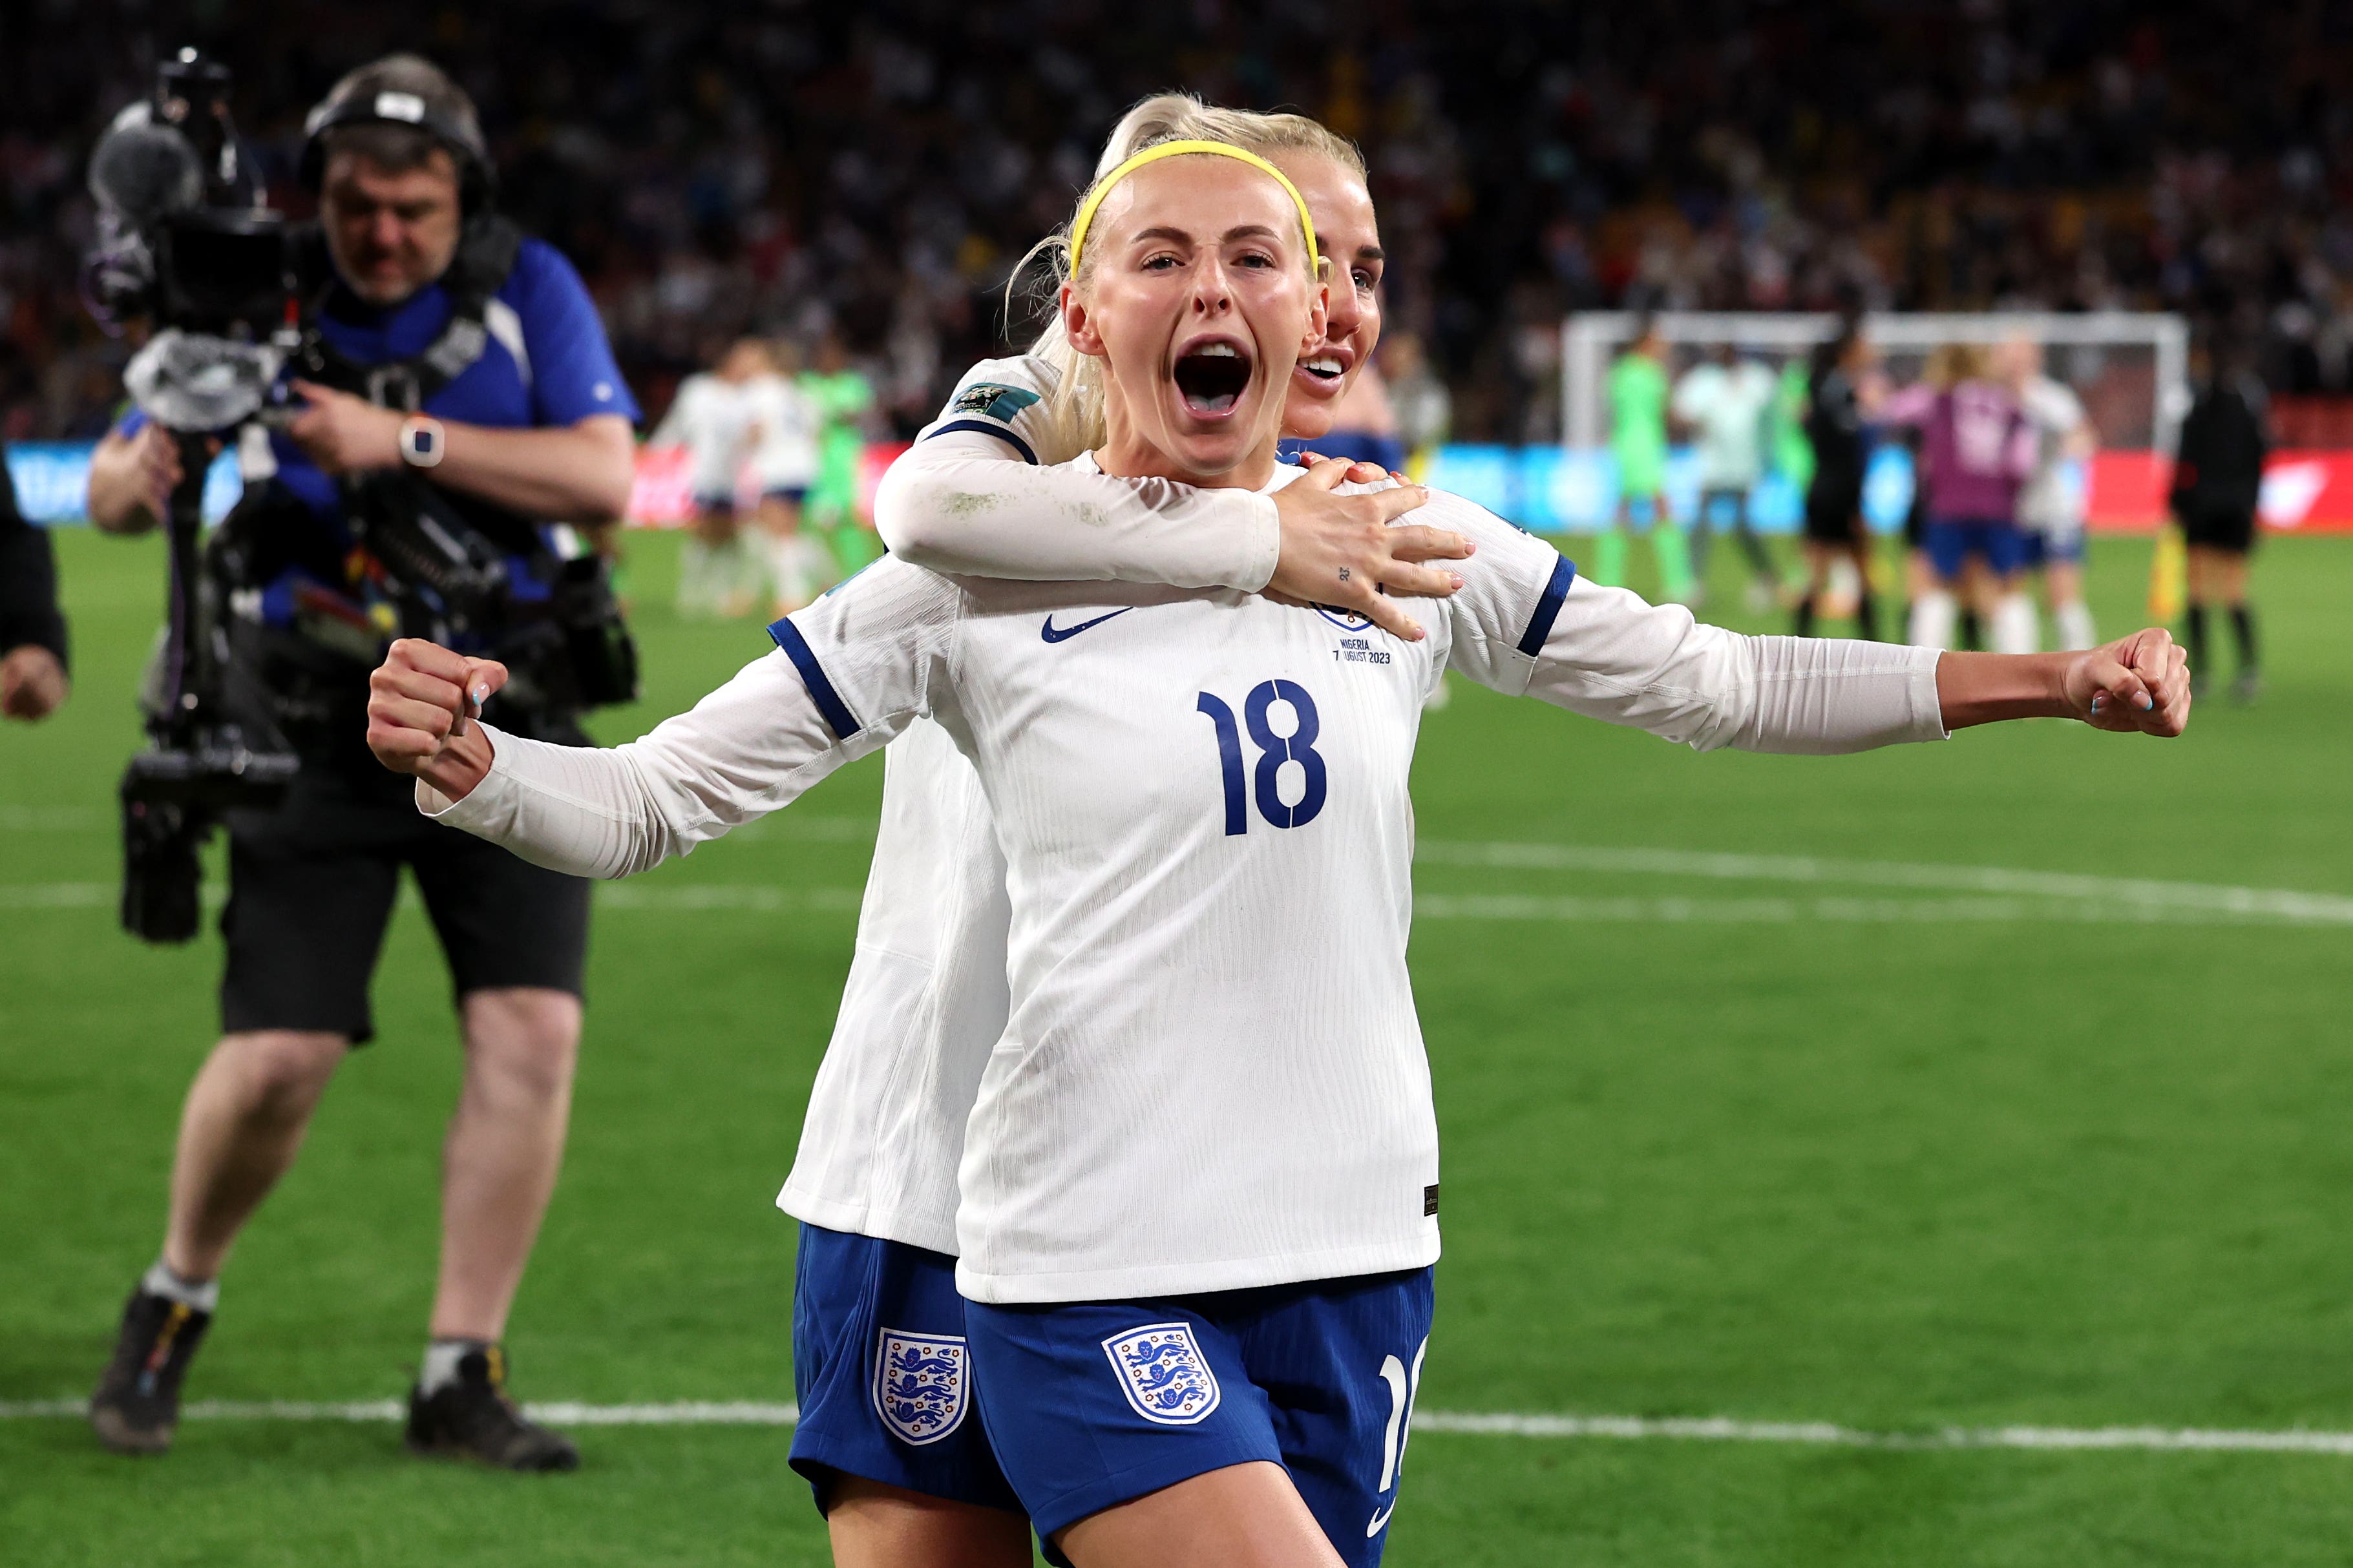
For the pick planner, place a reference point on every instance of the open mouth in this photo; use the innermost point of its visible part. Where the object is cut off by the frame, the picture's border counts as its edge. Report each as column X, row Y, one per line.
column 1325, row 368
column 1212, row 377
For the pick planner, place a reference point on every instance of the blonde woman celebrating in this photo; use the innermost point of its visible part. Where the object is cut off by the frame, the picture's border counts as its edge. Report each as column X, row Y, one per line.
column 1197, row 1213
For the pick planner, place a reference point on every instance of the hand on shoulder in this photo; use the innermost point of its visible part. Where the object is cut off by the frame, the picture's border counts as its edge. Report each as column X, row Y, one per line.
column 1348, row 551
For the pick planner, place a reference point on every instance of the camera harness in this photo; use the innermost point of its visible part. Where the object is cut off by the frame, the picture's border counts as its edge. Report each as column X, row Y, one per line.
column 486, row 249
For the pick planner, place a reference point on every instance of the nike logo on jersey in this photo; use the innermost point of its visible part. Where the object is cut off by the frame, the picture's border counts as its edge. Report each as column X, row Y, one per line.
column 1053, row 633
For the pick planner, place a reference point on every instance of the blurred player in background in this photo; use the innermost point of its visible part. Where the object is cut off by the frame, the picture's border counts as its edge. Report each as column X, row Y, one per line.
column 33, row 682
column 1425, row 409
column 844, row 401
column 1728, row 400
column 711, row 418
column 786, row 430
column 1977, row 449
column 2217, row 480
column 2051, row 507
column 1638, row 440
column 1837, row 434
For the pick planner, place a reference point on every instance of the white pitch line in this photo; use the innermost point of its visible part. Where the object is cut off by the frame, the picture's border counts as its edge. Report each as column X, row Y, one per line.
column 50, row 819
column 1990, row 894
column 1868, row 911
column 1624, row 1428
column 2278, row 903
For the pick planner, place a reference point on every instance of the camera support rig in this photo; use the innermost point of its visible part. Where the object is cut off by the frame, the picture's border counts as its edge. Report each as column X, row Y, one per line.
column 200, row 760
column 191, row 246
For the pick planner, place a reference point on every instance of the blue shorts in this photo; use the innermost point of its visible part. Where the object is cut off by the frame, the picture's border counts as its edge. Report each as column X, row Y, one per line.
column 1950, row 542
column 715, row 502
column 793, row 493
column 2039, row 548
column 1093, row 1403
column 883, row 1372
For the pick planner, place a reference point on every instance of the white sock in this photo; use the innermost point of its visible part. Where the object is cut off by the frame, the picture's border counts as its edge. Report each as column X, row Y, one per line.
column 742, row 570
column 788, row 572
column 695, row 563
column 197, row 1298
column 441, row 1359
column 1934, row 614
column 801, row 568
column 2015, row 630
column 2075, row 627
column 817, row 557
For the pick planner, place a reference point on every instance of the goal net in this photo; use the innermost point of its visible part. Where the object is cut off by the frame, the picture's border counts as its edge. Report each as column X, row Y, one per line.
column 2130, row 369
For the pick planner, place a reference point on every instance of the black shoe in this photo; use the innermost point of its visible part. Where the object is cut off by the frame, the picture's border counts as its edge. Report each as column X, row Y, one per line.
column 137, row 1405
column 473, row 1418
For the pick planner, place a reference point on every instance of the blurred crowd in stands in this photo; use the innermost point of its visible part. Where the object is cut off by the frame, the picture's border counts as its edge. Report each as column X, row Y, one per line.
column 790, row 167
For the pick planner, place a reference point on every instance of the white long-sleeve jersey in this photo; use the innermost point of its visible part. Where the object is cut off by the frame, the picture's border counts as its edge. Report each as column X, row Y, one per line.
column 712, row 419
column 784, row 423
column 1210, row 1075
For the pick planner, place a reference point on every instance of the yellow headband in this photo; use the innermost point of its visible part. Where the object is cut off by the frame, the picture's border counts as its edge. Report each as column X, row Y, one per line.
column 1152, row 154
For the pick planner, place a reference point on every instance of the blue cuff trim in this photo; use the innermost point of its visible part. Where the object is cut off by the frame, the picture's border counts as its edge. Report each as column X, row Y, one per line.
column 1564, row 572
column 838, row 716
column 985, row 428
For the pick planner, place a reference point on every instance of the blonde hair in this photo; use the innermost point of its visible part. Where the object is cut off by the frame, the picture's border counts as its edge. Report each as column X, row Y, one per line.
column 1072, row 415
column 1949, row 365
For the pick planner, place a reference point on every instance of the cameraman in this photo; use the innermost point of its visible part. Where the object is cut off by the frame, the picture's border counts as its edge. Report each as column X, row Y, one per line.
column 535, row 427
column 32, row 629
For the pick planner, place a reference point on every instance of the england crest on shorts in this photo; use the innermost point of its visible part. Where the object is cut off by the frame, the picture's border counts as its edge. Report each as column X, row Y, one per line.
column 1163, row 1373
column 921, row 1385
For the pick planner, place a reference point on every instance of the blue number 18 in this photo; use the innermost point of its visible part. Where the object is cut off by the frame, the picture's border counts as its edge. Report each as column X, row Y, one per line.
column 1275, row 749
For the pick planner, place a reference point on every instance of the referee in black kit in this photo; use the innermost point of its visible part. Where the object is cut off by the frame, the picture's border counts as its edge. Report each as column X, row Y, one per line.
column 33, row 681
column 2217, row 480
column 467, row 377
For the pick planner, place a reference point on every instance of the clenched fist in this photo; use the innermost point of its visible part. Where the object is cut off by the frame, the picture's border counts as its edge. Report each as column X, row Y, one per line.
column 421, row 701
column 2136, row 683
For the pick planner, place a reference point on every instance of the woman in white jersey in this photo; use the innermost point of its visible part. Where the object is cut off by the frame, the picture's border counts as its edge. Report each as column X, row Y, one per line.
column 874, row 1184
column 785, row 423
column 711, row 418
column 1198, row 1189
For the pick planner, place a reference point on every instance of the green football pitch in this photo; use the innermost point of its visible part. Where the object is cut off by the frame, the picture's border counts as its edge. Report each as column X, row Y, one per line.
column 1957, row 1098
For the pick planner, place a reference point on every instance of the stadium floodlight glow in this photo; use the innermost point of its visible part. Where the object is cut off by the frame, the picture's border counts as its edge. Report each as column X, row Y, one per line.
column 2142, row 357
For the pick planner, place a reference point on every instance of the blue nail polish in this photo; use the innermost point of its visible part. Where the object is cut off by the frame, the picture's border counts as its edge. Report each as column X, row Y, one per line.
column 2146, row 702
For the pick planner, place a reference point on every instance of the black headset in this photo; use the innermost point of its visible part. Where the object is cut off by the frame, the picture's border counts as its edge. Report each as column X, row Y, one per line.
column 476, row 181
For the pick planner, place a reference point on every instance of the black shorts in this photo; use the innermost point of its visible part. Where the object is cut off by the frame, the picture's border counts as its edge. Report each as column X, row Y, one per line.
column 2230, row 528
column 1834, row 514
column 311, row 884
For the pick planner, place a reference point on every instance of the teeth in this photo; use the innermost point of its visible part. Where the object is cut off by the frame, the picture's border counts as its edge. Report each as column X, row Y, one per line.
column 1218, row 351
column 1325, row 364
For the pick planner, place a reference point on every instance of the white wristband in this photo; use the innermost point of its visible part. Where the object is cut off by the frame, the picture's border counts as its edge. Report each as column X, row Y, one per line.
column 423, row 441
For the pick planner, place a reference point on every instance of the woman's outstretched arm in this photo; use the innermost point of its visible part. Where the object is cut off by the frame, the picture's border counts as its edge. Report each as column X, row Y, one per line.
column 1525, row 623
column 755, row 745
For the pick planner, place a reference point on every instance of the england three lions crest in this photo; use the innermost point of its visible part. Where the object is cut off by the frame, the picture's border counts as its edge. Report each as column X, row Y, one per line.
column 921, row 1385
column 1163, row 1373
